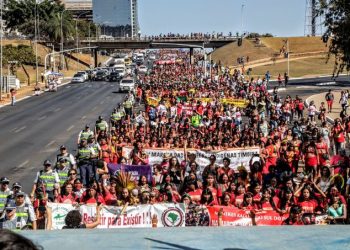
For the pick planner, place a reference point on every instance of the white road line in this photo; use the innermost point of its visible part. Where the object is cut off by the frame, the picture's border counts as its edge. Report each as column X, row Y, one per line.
column 70, row 128
column 42, row 117
column 102, row 102
column 68, row 87
column 94, row 109
column 22, row 164
column 20, row 129
column 50, row 143
column 56, row 110
column 84, row 117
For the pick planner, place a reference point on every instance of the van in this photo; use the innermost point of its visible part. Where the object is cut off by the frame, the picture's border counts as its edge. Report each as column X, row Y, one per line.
column 127, row 84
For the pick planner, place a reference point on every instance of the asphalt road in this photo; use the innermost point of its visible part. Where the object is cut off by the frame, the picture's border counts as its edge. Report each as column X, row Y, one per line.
column 33, row 130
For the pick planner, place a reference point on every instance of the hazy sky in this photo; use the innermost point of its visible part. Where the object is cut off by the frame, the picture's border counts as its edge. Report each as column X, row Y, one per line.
column 279, row 17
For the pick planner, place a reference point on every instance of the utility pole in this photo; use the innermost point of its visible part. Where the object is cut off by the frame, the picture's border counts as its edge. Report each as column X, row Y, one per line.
column 36, row 43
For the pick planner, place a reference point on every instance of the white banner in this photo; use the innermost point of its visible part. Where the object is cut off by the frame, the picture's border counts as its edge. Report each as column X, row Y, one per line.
column 168, row 215
column 238, row 156
column 59, row 212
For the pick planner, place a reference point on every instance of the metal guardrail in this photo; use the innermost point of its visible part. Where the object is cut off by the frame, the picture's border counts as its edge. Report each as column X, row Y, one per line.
column 163, row 39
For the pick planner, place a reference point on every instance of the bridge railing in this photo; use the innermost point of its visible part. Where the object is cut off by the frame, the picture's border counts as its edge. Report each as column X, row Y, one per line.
column 158, row 39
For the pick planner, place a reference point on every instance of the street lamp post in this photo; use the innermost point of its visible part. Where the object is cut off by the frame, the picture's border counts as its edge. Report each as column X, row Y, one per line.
column 76, row 34
column 62, row 58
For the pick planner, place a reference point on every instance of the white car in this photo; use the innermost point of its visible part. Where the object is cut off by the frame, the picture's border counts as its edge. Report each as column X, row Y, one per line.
column 152, row 57
column 127, row 84
column 84, row 74
column 143, row 69
column 120, row 70
column 78, row 78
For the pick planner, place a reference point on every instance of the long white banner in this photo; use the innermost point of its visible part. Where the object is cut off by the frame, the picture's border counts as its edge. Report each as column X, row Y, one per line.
column 238, row 156
column 167, row 215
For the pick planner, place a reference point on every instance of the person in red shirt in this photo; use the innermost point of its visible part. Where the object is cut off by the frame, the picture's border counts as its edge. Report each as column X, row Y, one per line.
column 272, row 155
column 295, row 217
column 207, row 198
column 338, row 135
column 311, row 159
column 92, row 197
column 248, row 202
column 67, row 196
column 266, row 202
column 306, row 201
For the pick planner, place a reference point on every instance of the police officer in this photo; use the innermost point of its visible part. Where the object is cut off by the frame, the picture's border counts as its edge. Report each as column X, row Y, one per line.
column 85, row 133
column 84, row 156
column 128, row 107
column 16, row 188
column 48, row 178
column 9, row 220
column 62, row 168
column 4, row 193
column 25, row 215
column 101, row 125
column 115, row 117
column 70, row 160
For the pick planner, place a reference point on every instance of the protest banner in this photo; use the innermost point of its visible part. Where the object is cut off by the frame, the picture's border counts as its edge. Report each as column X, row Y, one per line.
column 59, row 212
column 231, row 216
column 241, row 103
column 153, row 101
column 135, row 170
column 168, row 215
column 269, row 218
column 238, row 156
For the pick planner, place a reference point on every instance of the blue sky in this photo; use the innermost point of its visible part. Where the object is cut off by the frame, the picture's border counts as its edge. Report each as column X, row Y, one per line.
column 279, row 17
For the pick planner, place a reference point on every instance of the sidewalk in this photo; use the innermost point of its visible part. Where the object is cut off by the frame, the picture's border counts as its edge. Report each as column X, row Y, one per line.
column 318, row 98
column 27, row 91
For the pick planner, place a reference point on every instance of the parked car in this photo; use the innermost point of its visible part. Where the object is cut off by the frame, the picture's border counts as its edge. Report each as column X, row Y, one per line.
column 84, row 74
column 127, row 84
column 78, row 78
column 100, row 75
column 114, row 76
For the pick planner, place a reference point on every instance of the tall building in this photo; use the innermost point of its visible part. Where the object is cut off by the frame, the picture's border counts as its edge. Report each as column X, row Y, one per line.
column 117, row 18
column 79, row 8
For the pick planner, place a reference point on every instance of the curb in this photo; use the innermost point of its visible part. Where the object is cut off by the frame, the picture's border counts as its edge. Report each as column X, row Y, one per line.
column 41, row 92
column 278, row 90
column 307, row 101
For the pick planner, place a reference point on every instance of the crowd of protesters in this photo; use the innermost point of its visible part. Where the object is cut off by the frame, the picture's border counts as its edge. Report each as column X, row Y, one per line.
column 302, row 167
column 193, row 36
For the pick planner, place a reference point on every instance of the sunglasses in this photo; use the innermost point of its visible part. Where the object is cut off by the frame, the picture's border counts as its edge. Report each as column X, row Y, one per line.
column 20, row 196
column 72, row 174
column 5, row 183
column 9, row 211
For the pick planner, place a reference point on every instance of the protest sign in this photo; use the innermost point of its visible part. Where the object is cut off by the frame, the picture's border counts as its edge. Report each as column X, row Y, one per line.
column 238, row 156
column 135, row 170
column 59, row 212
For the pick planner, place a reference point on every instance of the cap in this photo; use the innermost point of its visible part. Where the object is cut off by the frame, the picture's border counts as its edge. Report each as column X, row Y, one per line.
column 17, row 184
column 20, row 194
column 62, row 147
column 10, row 205
column 87, row 126
column 62, row 160
column 47, row 162
column 4, row 180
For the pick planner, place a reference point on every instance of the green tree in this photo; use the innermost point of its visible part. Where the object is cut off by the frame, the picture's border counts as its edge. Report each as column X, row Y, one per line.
column 20, row 16
column 336, row 15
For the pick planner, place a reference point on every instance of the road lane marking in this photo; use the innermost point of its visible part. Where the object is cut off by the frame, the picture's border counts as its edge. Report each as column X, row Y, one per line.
column 84, row 117
column 56, row 110
column 94, row 109
column 68, row 87
column 22, row 164
column 102, row 102
column 42, row 117
column 50, row 143
column 20, row 129
column 70, row 128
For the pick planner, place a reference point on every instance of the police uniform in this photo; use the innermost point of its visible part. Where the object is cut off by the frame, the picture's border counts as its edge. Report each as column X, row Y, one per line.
column 128, row 107
column 84, row 157
column 62, row 174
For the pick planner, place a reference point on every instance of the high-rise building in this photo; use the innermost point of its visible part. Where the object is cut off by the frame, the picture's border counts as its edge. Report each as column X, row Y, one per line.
column 79, row 8
column 117, row 18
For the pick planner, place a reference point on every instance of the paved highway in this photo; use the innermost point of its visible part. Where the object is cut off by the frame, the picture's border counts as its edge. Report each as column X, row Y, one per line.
column 33, row 130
